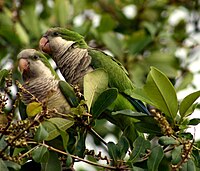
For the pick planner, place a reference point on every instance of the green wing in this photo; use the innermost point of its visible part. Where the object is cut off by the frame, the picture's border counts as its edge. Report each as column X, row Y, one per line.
column 118, row 77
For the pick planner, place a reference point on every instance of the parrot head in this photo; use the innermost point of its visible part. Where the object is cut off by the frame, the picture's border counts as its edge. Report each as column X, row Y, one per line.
column 55, row 39
column 33, row 64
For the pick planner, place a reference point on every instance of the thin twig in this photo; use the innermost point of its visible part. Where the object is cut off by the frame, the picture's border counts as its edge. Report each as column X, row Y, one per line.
column 81, row 159
column 93, row 132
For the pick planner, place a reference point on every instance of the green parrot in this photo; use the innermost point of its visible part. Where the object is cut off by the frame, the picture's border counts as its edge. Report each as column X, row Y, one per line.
column 75, row 59
column 41, row 80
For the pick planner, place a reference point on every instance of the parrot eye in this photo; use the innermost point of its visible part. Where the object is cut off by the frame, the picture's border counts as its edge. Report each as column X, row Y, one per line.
column 35, row 57
column 55, row 34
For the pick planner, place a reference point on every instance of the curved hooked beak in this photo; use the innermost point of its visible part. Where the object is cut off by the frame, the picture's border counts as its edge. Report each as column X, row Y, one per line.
column 23, row 65
column 44, row 45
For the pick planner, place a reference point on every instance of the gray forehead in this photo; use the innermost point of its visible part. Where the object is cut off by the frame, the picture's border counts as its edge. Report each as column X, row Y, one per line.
column 25, row 53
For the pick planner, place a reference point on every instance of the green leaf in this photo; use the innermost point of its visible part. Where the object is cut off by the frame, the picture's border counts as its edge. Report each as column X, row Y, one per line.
column 31, row 21
column 133, row 114
column 188, row 166
column 41, row 133
column 80, row 146
column 53, row 125
column 69, row 93
column 7, row 30
column 119, row 150
column 194, row 121
column 3, row 166
column 40, row 154
column 65, row 138
column 161, row 92
column 148, row 128
column 123, row 146
column 176, row 155
column 105, row 99
column 140, row 146
column 53, row 163
column 113, row 151
column 164, row 61
column 33, row 109
column 185, row 81
column 165, row 140
column 107, row 23
column 138, row 41
column 62, row 9
column 113, row 43
column 20, row 31
column 94, row 84
column 3, row 74
column 155, row 158
column 187, row 102
column 13, row 165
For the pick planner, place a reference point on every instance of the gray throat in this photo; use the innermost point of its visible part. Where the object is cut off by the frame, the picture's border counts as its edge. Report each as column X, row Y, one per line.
column 74, row 63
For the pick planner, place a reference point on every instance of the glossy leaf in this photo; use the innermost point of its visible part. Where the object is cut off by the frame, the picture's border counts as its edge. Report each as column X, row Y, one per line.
column 81, row 146
column 41, row 133
column 133, row 114
column 194, row 121
column 12, row 164
column 161, row 92
column 3, row 166
column 148, row 128
column 113, row 151
column 94, row 84
column 105, row 99
column 188, row 166
column 69, row 93
column 139, row 149
column 40, row 154
column 65, row 138
column 123, row 146
column 155, row 158
column 53, row 163
column 165, row 140
column 187, row 103
column 53, row 125
column 33, row 109
column 176, row 155
column 119, row 150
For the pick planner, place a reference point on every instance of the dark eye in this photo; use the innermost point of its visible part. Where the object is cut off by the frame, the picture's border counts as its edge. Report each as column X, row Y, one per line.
column 35, row 57
column 55, row 34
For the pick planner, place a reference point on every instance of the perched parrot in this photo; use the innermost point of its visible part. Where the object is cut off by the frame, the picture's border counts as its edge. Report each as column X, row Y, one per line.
column 41, row 80
column 75, row 59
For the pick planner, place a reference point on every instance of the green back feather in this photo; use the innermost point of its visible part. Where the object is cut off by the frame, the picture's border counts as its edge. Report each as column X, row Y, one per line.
column 43, row 58
column 117, row 74
column 70, row 36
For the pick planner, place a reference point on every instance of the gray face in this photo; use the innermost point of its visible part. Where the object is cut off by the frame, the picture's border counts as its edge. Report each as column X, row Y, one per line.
column 31, row 65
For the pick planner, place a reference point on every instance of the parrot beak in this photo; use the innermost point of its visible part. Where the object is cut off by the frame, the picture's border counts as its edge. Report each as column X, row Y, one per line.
column 23, row 65
column 44, row 45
